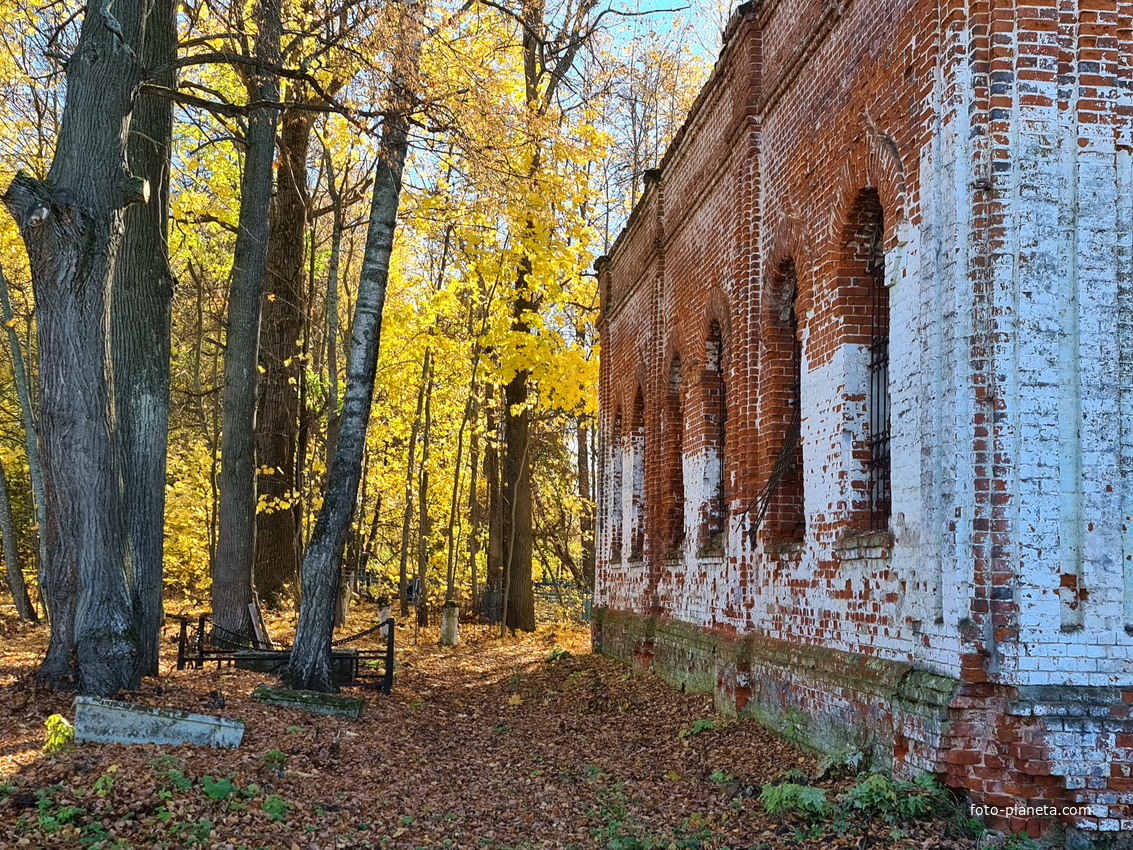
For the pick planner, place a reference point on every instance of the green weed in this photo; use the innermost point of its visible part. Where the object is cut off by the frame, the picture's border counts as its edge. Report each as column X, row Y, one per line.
column 706, row 724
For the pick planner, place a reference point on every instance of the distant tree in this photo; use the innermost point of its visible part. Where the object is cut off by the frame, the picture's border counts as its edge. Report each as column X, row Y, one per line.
column 24, row 609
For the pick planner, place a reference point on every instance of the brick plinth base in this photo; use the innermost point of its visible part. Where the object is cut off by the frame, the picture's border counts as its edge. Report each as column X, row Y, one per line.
column 1032, row 759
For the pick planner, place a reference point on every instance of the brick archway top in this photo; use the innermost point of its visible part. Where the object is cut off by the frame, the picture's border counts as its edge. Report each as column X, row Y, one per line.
column 874, row 162
column 718, row 309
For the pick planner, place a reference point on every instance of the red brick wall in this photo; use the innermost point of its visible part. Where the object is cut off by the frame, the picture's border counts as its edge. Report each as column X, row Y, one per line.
column 994, row 143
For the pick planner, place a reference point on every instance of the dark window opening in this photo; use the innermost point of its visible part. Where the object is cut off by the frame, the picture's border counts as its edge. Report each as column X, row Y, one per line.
column 675, row 440
column 879, row 486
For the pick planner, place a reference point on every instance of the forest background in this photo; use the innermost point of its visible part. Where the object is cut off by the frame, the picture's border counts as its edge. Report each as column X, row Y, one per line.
column 530, row 129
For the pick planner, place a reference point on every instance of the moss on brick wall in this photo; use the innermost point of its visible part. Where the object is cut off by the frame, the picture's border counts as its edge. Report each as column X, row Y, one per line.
column 817, row 697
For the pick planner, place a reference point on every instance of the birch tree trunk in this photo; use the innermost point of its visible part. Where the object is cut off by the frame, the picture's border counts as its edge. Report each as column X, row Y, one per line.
column 236, row 515
column 310, row 656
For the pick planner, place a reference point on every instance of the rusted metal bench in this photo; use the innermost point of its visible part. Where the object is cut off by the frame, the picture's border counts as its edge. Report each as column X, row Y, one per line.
column 198, row 645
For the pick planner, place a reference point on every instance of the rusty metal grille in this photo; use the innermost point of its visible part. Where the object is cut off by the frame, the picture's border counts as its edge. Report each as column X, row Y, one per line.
column 878, row 465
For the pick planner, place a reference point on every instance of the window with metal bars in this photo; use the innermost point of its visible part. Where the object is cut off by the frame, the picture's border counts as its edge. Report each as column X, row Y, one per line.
column 781, row 501
column 880, row 489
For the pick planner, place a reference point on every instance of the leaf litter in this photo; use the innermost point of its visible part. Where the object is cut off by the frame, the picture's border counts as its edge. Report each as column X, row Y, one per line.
column 528, row 741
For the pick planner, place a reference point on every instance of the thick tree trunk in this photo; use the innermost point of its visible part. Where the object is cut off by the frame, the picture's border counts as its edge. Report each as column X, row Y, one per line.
column 309, row 667
column 277, row 421
column 141, row 297
column 518, row 534
column 232, row 579
column 15, row 574
column 71, row 225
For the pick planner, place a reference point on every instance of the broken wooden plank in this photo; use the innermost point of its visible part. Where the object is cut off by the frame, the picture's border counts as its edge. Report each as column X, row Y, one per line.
column 107, row 721
column 319, row 703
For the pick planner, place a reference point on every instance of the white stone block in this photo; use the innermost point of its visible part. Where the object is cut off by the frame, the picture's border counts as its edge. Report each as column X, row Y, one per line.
column 105, row 721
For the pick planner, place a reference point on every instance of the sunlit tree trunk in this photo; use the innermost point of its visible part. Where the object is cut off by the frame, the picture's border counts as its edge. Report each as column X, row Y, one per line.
column 407, row 514
column 71, row 224
column 518, row 533
column 140, row 343
column 310, row 656
column 586, row 520
column 425, row 523
column 236, row 515
column 277, row 419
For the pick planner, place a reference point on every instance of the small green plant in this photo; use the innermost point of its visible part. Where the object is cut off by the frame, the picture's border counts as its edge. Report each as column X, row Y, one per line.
column 291, row 730
column 593, row 773
column 60, row 733
column 203, row 830
column 847, row 760
column 275, row 760
column 275, row 806
column 176, row 779
column 880, row 796
column 705, row 724
column 219, row 789
column 1020, row 841
column 791, row 798
column 104, row 785
column 719, row 776
column 558, row 653
column 513, row 681
column 794, row 724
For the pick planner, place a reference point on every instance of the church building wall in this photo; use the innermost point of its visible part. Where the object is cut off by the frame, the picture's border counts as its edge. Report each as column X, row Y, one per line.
column 949, row 181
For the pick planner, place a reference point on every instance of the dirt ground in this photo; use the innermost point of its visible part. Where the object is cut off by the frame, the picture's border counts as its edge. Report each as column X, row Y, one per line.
column 524, row 742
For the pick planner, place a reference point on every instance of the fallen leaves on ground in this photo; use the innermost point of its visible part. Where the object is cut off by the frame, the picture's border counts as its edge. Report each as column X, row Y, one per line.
column 518, row 742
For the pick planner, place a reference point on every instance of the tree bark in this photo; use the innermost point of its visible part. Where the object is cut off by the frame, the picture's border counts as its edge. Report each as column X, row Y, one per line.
column 31, row 429
column 494, row 581
column 338, row 226
column 24, row 609
column 407, row 515
column 518, row 532
column 232, row 579
column 141, row 300
column 474, row 511
column 425, row 524
column 309, row 667
column 277, row 421
column 71, row 224
column 586, row 520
